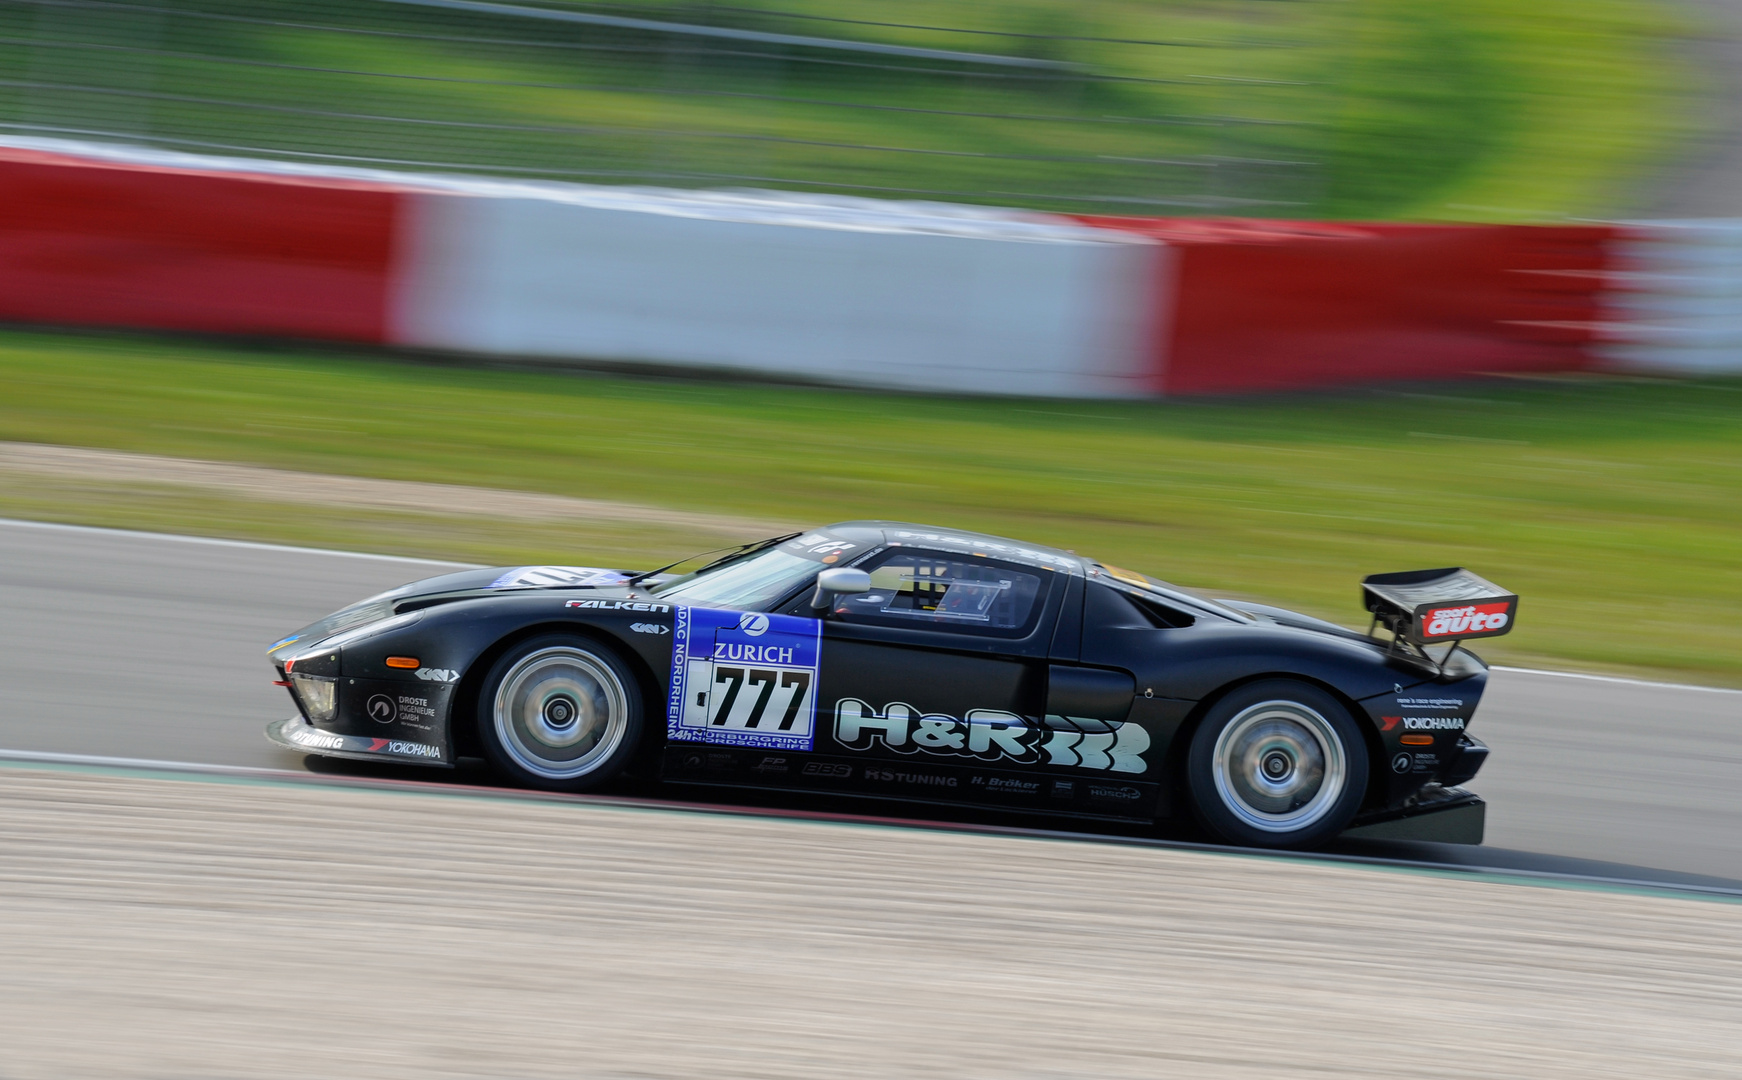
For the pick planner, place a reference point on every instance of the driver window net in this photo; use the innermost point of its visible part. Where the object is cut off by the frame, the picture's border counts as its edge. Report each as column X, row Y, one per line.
column 947, row 591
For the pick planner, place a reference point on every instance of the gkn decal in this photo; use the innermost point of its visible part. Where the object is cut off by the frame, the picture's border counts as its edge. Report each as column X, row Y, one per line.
column 437, row 674
column 993, row 735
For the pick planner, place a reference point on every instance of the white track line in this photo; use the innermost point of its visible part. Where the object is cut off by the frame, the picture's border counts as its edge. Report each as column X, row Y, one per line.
column 256, row 546
column 51, row 758
column 219, row 542
column 876, row 821
column 1617, row 679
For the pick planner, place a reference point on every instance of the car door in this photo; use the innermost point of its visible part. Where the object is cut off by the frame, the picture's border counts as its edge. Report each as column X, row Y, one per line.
column 932, row 685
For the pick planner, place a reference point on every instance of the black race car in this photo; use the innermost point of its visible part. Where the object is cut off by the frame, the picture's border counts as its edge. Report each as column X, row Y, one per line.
column 901, row 661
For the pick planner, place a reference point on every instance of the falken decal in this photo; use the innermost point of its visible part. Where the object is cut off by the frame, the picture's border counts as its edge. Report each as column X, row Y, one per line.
column 617, row 605
column 743, row 679
column 994, row 735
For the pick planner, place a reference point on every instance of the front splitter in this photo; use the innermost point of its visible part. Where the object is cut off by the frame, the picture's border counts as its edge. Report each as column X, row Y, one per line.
column 1452, row 816
column 303, row 737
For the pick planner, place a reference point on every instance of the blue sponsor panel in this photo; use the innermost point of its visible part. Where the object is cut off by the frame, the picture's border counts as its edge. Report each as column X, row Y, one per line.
column 744, row 678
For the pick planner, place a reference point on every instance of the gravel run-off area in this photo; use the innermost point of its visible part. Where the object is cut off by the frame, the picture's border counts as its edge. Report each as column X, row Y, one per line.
column 159, row 926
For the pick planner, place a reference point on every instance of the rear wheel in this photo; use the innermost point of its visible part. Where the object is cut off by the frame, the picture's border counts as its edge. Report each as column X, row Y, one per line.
column 1277, row 763
column 561, row 713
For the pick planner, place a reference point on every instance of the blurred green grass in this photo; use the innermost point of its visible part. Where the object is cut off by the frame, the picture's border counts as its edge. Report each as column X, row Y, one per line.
column 1443, row 109
column 1613, row 506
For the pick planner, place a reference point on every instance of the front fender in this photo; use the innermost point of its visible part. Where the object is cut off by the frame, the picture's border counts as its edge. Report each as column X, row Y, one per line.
column 413, row 682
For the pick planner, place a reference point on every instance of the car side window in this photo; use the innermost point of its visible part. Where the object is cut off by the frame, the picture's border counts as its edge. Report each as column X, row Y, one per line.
column 942, row 591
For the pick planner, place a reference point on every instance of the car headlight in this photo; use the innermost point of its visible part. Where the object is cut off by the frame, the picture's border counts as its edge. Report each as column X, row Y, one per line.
column 371, row 629
column 319, row 695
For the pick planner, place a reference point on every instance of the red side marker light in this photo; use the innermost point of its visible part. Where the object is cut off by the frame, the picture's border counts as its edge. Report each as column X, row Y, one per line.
column 280, row 682
column 407, row 662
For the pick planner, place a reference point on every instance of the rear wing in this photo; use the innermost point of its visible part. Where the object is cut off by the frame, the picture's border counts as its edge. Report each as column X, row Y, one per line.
column 1426, row 607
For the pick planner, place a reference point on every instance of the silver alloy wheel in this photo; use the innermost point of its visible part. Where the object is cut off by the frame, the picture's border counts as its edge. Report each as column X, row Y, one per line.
column 560, row 712
column 1279, row 766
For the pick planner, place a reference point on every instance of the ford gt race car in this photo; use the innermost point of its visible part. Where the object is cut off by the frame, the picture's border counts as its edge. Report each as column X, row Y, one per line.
column 902, row 661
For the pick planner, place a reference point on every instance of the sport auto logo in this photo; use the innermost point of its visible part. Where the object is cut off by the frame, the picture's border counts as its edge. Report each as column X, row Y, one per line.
column 1450, row 622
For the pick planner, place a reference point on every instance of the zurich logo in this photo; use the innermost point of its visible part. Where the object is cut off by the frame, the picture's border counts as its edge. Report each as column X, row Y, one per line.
column 753, row 623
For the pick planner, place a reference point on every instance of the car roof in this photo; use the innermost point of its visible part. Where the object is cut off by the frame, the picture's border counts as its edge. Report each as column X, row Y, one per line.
column 878, row 533
column 908, row 533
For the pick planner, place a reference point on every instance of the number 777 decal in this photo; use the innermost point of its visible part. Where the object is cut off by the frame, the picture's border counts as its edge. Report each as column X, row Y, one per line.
column 743, row 679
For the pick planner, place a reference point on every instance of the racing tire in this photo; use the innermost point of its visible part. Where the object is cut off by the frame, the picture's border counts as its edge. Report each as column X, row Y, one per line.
column 560, row 713
column 1278, row 764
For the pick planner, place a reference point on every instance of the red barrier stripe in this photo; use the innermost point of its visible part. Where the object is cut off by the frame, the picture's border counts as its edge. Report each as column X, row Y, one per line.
column 1267, row 305
column 93, row 242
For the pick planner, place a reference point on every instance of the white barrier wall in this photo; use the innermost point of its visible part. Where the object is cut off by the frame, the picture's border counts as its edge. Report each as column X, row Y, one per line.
column 921, row 296
column 1676, row 304
column 860, row 292
column 918, row 296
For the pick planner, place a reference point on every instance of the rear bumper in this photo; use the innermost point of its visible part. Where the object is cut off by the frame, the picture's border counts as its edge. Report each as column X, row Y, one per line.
column 1466, row 761
column 1446, row 815
column 303, row 737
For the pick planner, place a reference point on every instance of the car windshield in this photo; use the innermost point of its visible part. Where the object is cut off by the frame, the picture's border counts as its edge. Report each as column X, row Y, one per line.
column 753, row 582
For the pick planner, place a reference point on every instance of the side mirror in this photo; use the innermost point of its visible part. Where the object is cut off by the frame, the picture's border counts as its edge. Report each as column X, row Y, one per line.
column 839, row 579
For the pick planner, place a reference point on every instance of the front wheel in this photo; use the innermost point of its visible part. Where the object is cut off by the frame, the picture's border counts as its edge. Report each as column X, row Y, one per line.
column 1277, row 763
column 561, row 713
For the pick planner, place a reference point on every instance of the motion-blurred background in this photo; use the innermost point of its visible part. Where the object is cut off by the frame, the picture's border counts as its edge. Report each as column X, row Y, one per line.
column 1257, row 296
column 1375, row 109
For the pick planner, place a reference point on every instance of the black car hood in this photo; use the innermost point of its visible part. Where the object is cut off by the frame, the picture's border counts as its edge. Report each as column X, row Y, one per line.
column 462, row 584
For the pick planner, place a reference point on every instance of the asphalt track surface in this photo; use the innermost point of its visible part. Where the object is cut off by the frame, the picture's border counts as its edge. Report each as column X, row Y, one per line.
column 134, row 645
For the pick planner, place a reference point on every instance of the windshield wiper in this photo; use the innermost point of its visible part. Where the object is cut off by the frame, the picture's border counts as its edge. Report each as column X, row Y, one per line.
column 731, row 553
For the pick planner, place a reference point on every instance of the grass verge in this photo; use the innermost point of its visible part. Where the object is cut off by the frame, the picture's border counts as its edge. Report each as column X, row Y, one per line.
column 1612, row 506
